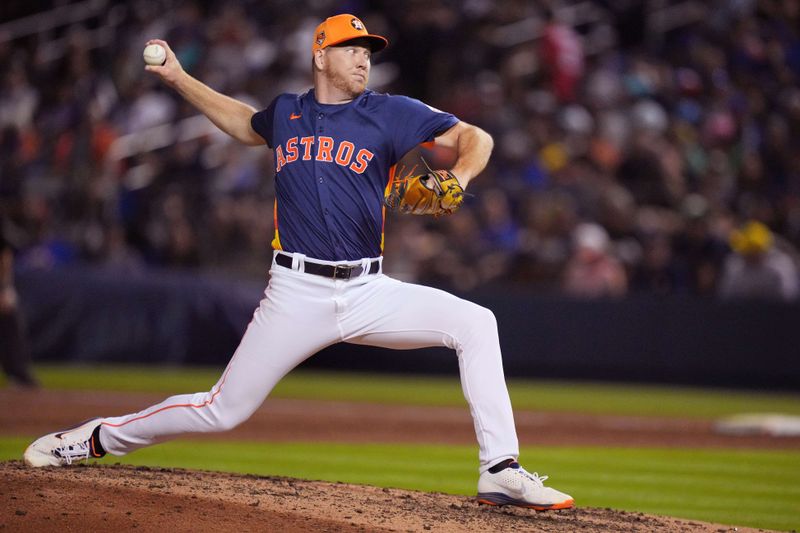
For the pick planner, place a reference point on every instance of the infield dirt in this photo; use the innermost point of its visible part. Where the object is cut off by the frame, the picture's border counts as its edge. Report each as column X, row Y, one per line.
column 126, row 498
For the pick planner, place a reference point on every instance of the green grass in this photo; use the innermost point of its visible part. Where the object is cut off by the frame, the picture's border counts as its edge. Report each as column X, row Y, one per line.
column 737, row 487
column 745, row 488
column 446, row 390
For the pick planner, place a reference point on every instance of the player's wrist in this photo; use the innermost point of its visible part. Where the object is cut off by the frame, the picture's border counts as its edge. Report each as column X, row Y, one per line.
column 462, row 176
column 181, row 81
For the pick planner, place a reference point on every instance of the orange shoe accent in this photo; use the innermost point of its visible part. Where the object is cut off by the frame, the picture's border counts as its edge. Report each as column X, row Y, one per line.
column 294, row 116
column 569, row 504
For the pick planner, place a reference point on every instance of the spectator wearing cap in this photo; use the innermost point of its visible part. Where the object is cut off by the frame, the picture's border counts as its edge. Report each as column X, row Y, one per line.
column 758, row 270
column 592, row 271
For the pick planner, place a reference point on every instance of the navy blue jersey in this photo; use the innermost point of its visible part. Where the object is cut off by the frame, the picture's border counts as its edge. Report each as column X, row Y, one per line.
column 333, row 163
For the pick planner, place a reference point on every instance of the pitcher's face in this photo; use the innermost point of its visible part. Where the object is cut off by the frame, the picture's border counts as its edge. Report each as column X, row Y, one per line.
column 347, row 67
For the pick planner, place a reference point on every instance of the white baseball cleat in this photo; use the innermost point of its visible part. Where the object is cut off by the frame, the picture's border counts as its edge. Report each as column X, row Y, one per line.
column 514, row 485
column 64, row 447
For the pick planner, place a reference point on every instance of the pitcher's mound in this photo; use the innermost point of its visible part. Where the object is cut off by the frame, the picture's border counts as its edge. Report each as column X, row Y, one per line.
column 126, row 498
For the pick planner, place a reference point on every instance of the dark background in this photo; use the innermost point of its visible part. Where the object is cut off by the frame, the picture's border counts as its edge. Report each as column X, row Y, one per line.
column 90, row 316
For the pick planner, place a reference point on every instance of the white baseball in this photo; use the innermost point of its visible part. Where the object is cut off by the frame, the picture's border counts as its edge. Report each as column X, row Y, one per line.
column 154, row 54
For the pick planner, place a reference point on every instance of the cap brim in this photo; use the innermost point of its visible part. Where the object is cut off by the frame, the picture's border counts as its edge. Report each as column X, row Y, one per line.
column 377, row 43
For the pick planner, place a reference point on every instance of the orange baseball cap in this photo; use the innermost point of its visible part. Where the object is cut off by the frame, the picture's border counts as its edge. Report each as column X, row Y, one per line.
column 344, row 27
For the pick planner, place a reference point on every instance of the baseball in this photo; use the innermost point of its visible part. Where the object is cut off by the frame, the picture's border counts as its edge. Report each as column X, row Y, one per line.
column 154, row 54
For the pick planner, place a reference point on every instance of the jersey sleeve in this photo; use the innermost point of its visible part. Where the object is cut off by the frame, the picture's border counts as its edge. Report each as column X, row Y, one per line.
column 416, row 123
column 262, row 122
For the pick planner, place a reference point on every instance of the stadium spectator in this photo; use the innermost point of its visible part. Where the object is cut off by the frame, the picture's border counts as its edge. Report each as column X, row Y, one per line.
column 595, row 121
column 562, row 57
column 14, row 353
column 592, row 271
column 759, row 269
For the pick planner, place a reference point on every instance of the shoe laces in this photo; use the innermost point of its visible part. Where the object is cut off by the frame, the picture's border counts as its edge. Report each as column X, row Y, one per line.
column 74, row 452
column 534, row 477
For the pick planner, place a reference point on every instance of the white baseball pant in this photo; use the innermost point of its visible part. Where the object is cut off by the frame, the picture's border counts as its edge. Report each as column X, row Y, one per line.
column 303, row 313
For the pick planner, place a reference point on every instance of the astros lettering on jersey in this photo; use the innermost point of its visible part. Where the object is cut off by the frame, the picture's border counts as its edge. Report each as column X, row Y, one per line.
column 333, row 163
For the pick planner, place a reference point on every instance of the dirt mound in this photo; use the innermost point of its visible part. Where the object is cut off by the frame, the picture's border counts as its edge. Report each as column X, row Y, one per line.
column 124, row 498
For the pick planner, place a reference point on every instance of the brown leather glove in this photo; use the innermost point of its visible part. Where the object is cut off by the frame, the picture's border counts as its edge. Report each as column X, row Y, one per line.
column 436, row 192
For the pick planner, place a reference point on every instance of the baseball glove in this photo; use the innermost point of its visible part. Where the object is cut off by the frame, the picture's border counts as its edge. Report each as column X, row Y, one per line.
column 436, row 192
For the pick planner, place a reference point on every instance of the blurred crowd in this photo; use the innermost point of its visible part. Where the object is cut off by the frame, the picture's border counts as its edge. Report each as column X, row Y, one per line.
column 630, row 155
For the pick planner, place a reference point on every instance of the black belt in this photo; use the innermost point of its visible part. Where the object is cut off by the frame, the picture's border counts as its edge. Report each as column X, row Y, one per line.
column 330, row 271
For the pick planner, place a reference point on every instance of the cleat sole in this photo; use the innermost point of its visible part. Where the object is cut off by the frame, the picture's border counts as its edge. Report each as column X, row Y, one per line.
column 498, row 499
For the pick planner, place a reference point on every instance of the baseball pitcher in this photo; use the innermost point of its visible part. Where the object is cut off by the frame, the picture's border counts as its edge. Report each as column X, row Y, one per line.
column 336, row 148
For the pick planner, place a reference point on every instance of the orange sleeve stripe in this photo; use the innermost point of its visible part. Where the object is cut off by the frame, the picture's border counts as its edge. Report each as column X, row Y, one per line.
column 383, row 227
column 392, row 172
column 276, row 241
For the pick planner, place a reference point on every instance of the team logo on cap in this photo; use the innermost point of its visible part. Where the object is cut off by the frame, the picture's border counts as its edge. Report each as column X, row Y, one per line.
column 357, row 24
column 320, row 38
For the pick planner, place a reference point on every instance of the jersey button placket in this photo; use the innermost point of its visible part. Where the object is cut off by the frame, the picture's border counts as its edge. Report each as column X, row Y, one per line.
column 324, row 193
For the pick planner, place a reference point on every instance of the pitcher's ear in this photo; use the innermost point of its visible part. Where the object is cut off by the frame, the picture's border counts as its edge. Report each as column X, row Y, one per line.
column 318, row 60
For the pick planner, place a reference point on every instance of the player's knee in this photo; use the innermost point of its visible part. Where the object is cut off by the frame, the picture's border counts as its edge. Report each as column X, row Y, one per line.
column 477, row 323
column 225, row 418
column 482, row 318
column 228, row 421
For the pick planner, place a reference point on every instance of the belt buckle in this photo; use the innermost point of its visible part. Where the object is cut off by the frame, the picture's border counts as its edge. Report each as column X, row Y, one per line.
column 344, row 269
